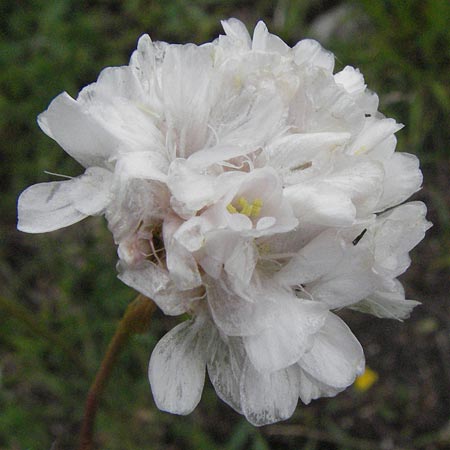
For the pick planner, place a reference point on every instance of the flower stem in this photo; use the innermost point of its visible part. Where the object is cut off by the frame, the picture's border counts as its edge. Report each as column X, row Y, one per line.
column 136, row 320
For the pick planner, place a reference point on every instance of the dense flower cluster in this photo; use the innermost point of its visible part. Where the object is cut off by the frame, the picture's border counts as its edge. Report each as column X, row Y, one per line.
column 246, row 185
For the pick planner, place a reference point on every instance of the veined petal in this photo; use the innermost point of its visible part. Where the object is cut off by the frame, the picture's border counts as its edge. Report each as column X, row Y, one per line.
column 268, row 397
column 225, row 368
column 180, row 262
column 177, row 369
column 64, row 119
column 49, row 206
column 388, row 304
column 320, row 204
column 336, row 357
column 155, row 283
column 403, row 178
column 287, row 336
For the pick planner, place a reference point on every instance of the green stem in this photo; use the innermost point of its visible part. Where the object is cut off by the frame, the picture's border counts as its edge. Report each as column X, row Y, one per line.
column 136, row 320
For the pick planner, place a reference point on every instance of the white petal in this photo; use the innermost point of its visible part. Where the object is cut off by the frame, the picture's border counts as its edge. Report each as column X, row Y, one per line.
column 375, row 131
column 267, row 42
column 180, row 262
column 91, row 192
column 310, row 52
column 190, row 187
column 311, row 389
column 403, row 178
column 47, row 207
column 78, row 133
column 295, row 150
column 336, row 358
column 315, row 259
column 154, row 282
column 146, row 165
column 351, row 79
column 242, row 262
column 321, row 204
column 400, row 230
column 287, row 336
column 236, row 29
column 390, row 305
column 361, row 181
column 268, row 398
column 177, row 369
column 225, row 371
column 233, row 314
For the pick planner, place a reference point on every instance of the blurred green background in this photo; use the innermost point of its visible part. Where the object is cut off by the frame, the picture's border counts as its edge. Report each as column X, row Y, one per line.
column 60, row 300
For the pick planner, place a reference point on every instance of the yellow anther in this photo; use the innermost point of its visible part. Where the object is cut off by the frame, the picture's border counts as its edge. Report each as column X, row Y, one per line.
column 231, row 209
column 242, row 202
column 256, row 210
column 245, row 208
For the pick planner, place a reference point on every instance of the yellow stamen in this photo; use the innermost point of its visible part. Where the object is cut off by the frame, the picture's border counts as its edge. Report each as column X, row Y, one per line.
column 245, row 208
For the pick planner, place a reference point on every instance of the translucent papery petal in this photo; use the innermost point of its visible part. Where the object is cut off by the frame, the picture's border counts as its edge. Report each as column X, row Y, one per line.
column 310, row 52
column 190, row 187
column 321, row 105
column 180, row 262
column 398, row 231
column 91, row 192
column 233, row 314
column 312, row 389
column 351, row 79
column 336, row 357
column 291, row 152
column 225, row 371
column 320, row 204
column 265, row 41
column 390, row 305
column 350, row 283
column 189, row 88
column 236, row 30
column 146, row 165
column 154, row 282
column 119, row 103
column 268, row 397
column 219, row 153
column 375, row 131
column 49, row 206
column 362, row 181
column 288, row 335
column 403, row 178
column 242, row 262
column 318, row 257
column 177, row 368
column 64, row 119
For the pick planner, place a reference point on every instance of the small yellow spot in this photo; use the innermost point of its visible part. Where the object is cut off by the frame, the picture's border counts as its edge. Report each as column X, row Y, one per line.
column 366, row 380
column 361, row 150
column 231, row 209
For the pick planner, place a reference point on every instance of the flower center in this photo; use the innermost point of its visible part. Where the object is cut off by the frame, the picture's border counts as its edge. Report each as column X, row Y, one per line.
column 244, row 207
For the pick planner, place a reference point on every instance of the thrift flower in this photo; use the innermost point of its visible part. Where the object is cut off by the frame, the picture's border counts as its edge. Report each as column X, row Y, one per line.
column 250, row 186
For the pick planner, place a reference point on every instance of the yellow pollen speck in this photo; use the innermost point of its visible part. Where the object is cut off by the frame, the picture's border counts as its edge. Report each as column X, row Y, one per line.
column 366, row 380
column 361, row 150
column 231, row 209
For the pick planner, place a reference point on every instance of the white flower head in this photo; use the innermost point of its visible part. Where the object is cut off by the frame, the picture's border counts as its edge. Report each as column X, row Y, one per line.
column 249, row 186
